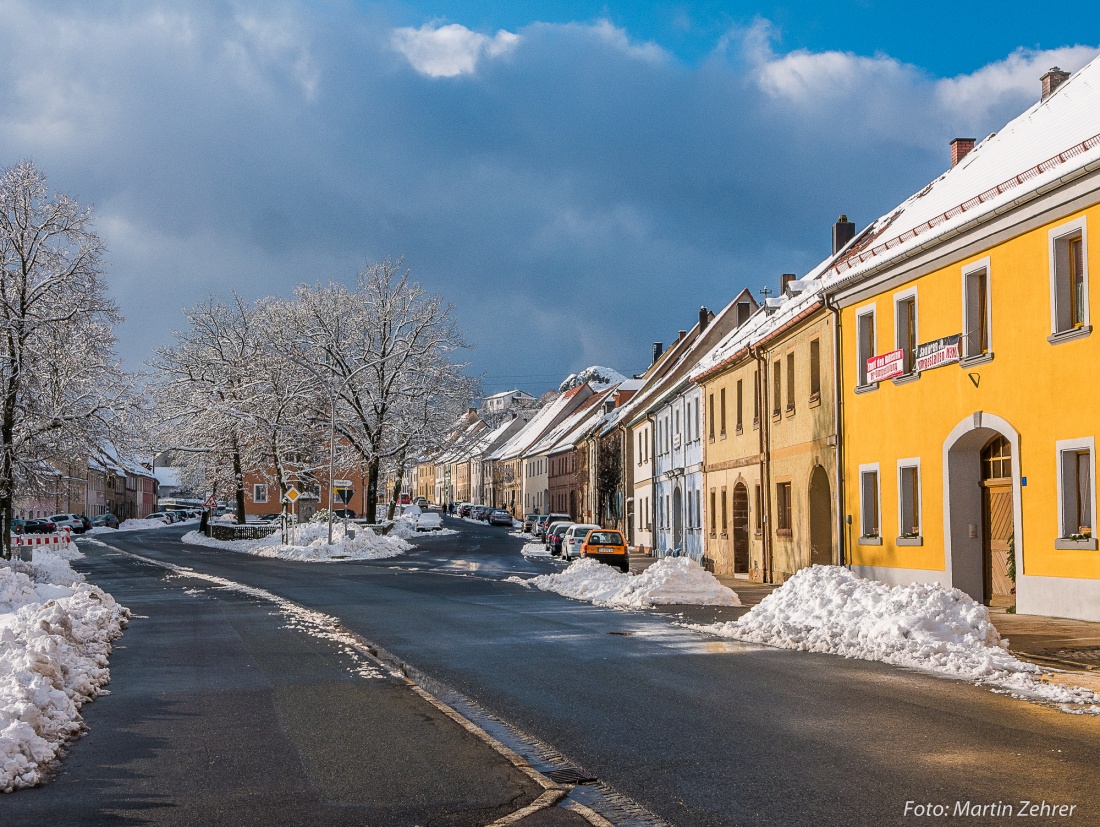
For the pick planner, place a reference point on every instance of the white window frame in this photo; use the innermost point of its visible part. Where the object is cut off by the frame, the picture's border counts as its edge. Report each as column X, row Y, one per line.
column 967, row 272
column 1064, row 446
column 256, row 488
column 861, row 358
column 910, row 293
column 1078, row 225
column 911, row 462
column 866, row 468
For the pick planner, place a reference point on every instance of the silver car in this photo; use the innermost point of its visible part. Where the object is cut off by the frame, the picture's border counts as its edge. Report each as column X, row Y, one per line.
column 574, row 539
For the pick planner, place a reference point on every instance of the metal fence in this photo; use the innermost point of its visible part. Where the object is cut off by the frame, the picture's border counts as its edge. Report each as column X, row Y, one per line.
column 232, row 531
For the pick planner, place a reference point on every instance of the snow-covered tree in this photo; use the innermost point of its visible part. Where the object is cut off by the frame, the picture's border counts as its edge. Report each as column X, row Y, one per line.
column 383, row 350
column 62, row 390
column 204, row 384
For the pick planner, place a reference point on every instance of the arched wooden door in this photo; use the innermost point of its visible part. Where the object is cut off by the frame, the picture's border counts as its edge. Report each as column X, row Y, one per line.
column 821, row 518
column 997, row 521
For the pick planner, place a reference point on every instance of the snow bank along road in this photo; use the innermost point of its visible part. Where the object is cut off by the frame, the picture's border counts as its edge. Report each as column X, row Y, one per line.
column 699, row 731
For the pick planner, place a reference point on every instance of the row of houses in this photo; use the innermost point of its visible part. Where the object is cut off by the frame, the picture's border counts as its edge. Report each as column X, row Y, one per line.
column 920, row 406
column 106, row 483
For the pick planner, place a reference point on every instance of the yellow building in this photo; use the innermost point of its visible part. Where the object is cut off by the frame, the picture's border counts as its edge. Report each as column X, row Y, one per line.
column 969, row 368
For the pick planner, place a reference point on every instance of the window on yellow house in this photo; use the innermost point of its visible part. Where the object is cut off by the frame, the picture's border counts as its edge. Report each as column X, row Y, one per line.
column 710, row 423
column 909, row 498
column 865, row 332
column 790, row 382
column 713, row 517
column 869, row 502
column 1077, row 489
column 759, row 499
column 755, row 398
column 722, row 412
column 976, row 313
column 783, row 509
column 905, row 311
column 1069, row 279
column 740, row 405
column 777, row 388
column 725, row 515
column 815, row 370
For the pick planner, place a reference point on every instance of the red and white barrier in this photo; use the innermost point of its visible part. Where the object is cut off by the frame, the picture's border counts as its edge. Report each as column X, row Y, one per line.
column 62, row 537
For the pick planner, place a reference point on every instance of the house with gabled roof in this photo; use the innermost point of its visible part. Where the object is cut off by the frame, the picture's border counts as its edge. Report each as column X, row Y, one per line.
column 968, row 367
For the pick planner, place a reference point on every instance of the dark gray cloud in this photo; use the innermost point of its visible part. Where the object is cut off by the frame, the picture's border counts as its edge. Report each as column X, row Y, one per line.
column 575, row 194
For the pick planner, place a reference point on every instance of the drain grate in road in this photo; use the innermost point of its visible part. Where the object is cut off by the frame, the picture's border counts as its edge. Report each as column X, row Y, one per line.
column 621, row 634
column 570, row 775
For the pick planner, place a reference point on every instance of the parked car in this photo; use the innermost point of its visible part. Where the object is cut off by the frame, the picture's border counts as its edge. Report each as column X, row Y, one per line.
column 607, row 546
column 574, row 538
column 73, row 522
column 109, row 520
column 546, row 519
column 554, row 534
column 159, row 515
column 429, row 522
column 42, row 526
column 341, row 513
column 529, row 522
column 500, row 517
column 17, row 524
column 422, row 503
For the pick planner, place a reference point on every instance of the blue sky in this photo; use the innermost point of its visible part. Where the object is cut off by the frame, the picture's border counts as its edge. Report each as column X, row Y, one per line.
column 577, row 178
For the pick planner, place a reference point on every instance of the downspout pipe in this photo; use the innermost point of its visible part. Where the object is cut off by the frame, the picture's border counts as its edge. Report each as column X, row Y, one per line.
column 838, row 418
column 765, row 446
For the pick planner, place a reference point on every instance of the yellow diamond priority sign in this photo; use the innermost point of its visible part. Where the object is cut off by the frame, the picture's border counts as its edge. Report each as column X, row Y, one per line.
column 292, row 495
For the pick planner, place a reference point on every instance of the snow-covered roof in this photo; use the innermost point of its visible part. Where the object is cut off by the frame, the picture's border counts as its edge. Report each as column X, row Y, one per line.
column 508, row 393
column 541, row 422
column 582, row 415
column 1056, row 137
column 697, row 344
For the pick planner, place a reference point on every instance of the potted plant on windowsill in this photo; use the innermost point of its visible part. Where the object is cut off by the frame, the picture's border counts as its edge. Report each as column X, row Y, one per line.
column 1082, row 538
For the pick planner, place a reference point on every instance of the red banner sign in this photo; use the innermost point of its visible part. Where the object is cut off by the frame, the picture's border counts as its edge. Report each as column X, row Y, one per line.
column 885, row 366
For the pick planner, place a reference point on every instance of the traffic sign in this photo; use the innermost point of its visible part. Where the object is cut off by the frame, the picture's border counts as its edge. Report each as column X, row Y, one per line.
column 341, row 483
column 344, row 494
column 210, row 502
column 291, row 495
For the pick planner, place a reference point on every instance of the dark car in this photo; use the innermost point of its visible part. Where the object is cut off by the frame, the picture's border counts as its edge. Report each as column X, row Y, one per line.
column 500, row 517
column 341, row 513
column 108, row 520
column 554, row 533
column 39, row 527
column 17, row 524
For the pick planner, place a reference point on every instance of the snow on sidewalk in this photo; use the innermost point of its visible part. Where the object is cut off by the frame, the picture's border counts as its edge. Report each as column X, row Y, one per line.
column 670, row 581
column 55, row 638
column 136, row 525
column 920, row 626
column 311, row 544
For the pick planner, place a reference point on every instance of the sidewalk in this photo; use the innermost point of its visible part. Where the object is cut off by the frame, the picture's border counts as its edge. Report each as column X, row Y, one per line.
column 1060, row 643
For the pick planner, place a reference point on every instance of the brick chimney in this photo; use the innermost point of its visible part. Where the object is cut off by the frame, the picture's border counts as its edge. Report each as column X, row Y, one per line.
column 960, row 148
column 704, row 317
column 1052, row 80
column 843, row 232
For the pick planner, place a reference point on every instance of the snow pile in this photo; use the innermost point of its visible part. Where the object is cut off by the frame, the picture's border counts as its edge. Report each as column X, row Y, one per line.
column 920, row 626
column 134, row 525
column 536, row 549
column 598, row 378
column 673, row 580
column 310, row 544
column 55, row 634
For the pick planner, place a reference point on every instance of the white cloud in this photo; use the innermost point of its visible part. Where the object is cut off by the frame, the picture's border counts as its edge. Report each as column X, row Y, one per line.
column 1016, row 78
column 451, row 50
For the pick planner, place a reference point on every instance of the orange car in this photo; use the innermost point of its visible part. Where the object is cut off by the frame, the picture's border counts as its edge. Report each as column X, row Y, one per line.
column 607, row 546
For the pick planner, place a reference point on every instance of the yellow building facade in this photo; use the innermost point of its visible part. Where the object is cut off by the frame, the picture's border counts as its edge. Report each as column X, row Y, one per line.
column 969, row 370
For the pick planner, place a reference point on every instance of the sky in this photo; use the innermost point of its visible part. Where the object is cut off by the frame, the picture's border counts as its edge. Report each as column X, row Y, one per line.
column 576, row 178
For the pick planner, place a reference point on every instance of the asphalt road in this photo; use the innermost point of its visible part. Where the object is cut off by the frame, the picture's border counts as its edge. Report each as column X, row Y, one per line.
column 694, row 730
